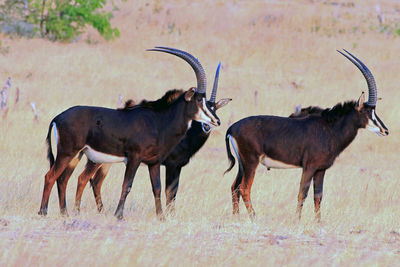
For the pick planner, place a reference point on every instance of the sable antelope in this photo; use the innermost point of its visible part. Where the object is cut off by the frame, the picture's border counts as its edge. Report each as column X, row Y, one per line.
column 145, row 134
column 193, row 140
column 311, row 143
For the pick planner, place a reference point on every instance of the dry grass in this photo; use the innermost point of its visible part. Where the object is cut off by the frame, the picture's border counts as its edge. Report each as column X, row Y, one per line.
column 283, row 50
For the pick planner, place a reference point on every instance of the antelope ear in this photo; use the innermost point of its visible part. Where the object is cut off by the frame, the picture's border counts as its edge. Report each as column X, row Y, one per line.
column 360, row 102
column 222, row 102
column 189, row 94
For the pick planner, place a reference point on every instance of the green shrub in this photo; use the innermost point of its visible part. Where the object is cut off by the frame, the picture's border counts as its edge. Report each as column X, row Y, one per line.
column 56, row 19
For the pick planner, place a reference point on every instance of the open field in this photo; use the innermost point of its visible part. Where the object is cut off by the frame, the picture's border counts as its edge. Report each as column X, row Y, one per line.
column 275, row 55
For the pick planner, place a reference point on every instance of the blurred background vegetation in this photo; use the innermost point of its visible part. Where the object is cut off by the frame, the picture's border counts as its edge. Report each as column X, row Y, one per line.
column 66, row 20
column 57, row 20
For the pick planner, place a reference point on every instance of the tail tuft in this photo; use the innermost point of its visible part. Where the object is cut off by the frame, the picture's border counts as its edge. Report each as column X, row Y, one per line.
column 50, row 155
column 231, row 158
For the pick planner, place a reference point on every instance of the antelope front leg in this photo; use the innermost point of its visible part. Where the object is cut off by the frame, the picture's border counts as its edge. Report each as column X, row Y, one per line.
column 171, row 186
column 131, row 168
column 303, row 191
column 154, row 171
column 318, row 188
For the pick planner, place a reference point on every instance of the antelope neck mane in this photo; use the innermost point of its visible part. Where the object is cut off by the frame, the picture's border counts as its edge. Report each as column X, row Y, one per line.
column 338, row 111
column 158, row 105
column 311, row 110
column 129, row 104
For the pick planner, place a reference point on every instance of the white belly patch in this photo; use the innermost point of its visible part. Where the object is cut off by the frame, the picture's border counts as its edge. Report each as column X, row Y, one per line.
column 100, row 157
column 276, row 164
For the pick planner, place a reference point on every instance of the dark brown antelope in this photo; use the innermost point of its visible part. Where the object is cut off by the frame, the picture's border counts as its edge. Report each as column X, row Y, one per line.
column 311, row 143
column 145, row 134
column 193, row 140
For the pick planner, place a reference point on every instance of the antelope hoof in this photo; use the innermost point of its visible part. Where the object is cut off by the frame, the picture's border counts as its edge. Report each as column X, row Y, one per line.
column 298, row 213
column 318, row 218
column 100, row 208
column 77, row 211
column 64, row 213
column 253, row 216
column 119, row 215
column 161, row 218
column 171, row 211
column 42, row 212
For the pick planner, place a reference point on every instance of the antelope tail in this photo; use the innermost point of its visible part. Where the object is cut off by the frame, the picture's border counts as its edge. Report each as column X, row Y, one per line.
column 231, row 158
column 50, row 155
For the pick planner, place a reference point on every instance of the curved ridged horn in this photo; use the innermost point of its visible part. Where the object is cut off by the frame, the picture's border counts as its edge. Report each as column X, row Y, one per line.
column 372, row 91
column 215, row 86
column 198, row 69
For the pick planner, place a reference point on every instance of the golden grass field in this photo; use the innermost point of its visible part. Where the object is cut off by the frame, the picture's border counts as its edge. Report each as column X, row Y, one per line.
column 283, row 50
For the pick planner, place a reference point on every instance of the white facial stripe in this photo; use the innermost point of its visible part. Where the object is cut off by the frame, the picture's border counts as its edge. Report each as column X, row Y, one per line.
column 373, row 116
column 100, row 157
column 203, row 115
column 207, row 110
column 276, row 164
column 374, row 125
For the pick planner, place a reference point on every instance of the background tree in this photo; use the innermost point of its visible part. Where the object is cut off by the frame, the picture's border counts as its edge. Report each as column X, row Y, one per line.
column 61, row 20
